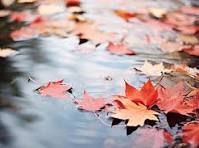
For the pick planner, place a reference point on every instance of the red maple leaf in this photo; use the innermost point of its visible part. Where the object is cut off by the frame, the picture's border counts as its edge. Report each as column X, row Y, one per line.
column 190, row 133
column 125, row 14
column 89, row 103
column 193, row 50
column 194, row 102
column 160, row 137
column 147, row 95
column 171, row 99
column 119, row 49
column 54, row 89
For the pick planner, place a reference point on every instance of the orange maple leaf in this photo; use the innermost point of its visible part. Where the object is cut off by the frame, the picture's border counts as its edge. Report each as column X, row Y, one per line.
column 136, row 114
column 147, row 95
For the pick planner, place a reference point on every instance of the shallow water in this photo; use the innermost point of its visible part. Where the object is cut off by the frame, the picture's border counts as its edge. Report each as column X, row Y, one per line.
column 28, row 120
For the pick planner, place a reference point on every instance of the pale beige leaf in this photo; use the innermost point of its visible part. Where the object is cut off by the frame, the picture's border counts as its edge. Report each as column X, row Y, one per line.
column 153, row 70
column 6, row 52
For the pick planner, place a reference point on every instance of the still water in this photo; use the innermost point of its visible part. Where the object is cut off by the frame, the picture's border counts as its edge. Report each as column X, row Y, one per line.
column 28, row 120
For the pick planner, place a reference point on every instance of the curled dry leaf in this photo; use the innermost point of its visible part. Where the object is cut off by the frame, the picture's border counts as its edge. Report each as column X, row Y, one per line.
column 153, row 70
column 190, row 133
column 55, row 89
column 89, row 103
column 119, row 49
column 147, row 95
column 136, row 114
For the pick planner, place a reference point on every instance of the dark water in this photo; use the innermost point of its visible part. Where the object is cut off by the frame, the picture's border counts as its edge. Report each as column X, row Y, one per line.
column 28, row 120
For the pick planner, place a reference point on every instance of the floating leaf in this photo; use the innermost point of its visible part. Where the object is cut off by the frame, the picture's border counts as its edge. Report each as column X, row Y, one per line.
column 136, row 114
column 55, row 89
column 147, row 95
column 153, row 70
column 119, row 49
column 89, row 103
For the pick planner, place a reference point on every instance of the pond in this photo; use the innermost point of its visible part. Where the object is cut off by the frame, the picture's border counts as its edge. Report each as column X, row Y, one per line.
column 30, row 120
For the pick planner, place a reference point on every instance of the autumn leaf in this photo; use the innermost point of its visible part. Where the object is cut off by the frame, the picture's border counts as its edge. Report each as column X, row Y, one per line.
column 153, row 70
column 194, row 101
column 90, row 31
column 89, row 103
column 157, row 12
column 193, row 50
column 179, row 19
column 119, row 49
column 190, row 10
column 171, row 99
column 136, row 114
column 189, row 30
column 193, row 72
column 147, row 95
column 190, row 133
column 160, row 138
column 189, row 39
column 55, row 89
column 169, row 46
column 24, row 33
column 72, row 3
column 125, row 14
column 5, row 52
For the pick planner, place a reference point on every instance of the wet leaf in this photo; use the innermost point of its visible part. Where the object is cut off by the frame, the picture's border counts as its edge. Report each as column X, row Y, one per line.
column 89, row 103
column 189, row 39
column 160, row 137
column 147, row 95
column 125, row 14
column 190, row 133
column 171, row 99
column 49, row 9
column 193, row 50
column 90, row 31
column 119, row 49
column 153, row 70
column 55, row 89
column 5, row 52
column 190, row 10
column 157, row 12
column 135, row 114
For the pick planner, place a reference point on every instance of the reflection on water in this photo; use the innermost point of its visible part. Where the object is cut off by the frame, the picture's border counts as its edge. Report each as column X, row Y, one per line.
column 28, row 120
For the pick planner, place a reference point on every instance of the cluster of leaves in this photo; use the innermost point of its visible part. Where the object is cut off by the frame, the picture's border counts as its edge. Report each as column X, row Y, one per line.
column 138, row 107
column 181, row 23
